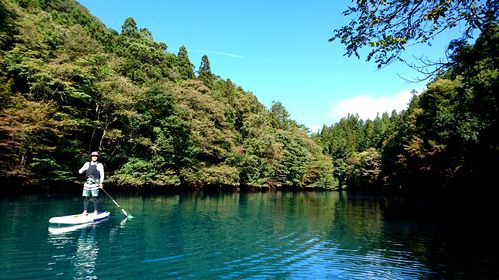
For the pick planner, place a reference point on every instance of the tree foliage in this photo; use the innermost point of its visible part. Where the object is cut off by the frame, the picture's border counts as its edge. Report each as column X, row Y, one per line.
column 355, row 144
column 184, row 65
column 388, row 27
column 450, row 133
column 69, row 86
column 204, row 71
column 446, row 139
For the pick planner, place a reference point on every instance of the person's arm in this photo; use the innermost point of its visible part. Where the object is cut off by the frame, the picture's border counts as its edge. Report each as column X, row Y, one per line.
column 100, row 168
column 83, row 168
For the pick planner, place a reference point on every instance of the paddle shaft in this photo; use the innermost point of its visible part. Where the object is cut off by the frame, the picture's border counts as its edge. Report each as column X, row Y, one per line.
column 122, row 210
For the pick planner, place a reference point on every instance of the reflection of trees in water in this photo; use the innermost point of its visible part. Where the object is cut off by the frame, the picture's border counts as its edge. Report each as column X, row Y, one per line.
column 86, row 253
column 358, row 223
column 413, row 232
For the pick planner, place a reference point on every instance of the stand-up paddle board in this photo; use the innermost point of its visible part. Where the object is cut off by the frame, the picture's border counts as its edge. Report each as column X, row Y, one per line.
column 61, row 228
column 80, row 218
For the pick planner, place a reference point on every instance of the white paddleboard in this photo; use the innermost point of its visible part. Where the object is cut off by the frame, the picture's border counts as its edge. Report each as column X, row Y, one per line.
column 60, row 229
column 80, row 218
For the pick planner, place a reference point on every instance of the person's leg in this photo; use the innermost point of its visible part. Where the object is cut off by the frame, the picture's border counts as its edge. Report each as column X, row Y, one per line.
column 95, row 195
column 96, row 204
column 85, row 194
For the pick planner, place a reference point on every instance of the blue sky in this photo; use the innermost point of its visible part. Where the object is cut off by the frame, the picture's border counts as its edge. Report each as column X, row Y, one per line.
column 278, row 50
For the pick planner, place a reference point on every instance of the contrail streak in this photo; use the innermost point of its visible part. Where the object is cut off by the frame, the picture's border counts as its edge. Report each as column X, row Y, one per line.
column 218, row 53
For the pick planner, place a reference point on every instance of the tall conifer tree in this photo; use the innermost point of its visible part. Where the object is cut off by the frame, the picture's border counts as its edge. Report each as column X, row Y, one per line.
column 184, row 65
column 204, row 72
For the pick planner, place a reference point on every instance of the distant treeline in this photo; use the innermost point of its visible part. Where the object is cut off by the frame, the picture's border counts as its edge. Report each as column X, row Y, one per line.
column 447, row 139
column 69, row 86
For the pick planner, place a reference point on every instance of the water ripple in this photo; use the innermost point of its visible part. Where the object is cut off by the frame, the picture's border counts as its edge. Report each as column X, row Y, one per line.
column 256, row 236
column 169, row 258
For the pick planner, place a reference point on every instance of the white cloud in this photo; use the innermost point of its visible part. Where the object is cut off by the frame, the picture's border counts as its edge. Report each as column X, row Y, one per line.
column 368, row 106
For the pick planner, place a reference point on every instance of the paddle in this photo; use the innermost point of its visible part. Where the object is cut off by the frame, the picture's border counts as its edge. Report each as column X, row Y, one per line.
column 122, row 210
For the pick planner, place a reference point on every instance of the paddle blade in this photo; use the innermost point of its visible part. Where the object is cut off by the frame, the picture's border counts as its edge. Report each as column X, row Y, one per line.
column 124, row 212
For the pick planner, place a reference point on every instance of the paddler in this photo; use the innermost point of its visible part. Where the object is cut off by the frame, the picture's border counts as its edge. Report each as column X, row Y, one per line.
column 94, row 179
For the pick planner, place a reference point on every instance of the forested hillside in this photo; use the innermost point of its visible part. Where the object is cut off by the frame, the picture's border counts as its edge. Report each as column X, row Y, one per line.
column 69, row 85
column 447, row 139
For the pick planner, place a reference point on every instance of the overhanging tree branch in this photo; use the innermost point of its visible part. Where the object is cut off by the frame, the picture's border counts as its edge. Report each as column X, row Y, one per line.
column 388, row 27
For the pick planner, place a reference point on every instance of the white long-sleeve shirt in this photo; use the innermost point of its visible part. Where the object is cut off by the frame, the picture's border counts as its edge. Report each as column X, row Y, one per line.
column 100, row 168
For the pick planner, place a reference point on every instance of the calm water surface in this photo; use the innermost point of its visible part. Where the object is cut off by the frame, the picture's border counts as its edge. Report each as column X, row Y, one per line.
column 304, row 235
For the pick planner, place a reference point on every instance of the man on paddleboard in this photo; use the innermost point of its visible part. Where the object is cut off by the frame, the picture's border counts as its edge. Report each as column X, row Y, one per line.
column 95, row 176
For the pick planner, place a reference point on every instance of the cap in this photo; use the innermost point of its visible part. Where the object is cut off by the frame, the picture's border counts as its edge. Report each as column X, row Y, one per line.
column 94, row 154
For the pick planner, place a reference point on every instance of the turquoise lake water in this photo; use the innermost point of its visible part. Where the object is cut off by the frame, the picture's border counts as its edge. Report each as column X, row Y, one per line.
column 272, row 235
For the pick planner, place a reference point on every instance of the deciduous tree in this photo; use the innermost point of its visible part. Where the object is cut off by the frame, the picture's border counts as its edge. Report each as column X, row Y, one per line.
column 387, row 28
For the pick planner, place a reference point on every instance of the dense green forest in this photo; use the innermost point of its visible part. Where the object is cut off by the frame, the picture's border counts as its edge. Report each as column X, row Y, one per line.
column 446, row 139
column 69, row 85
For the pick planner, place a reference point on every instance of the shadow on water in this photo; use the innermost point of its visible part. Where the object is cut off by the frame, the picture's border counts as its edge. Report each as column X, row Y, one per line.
column 454, row 236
